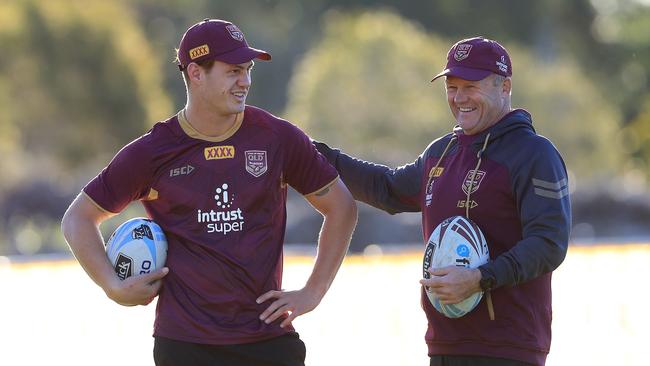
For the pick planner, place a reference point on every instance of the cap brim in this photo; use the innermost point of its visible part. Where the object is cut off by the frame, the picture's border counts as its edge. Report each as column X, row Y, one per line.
column 464, row 73
column 243, row 54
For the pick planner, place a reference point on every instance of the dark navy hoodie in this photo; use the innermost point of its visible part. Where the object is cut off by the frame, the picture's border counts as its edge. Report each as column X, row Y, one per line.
column 518, row 197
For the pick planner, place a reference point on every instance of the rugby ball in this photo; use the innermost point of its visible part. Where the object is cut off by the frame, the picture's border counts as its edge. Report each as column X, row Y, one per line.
column 457, row 241
column 136, row 247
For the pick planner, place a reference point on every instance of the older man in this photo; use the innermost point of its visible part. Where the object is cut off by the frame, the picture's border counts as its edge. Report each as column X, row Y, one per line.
column 494, row 169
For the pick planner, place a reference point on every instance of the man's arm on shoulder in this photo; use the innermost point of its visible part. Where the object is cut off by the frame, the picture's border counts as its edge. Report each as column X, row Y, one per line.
column 80, row 227
column 392, row 190
column 339, row 210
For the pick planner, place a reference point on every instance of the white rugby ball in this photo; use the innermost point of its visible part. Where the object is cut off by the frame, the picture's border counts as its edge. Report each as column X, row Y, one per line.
column 457, row 241
column 136, row 247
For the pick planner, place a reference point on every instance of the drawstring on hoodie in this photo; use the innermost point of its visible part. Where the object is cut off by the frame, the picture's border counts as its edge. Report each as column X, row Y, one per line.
column 488, row 295
column 444, row 152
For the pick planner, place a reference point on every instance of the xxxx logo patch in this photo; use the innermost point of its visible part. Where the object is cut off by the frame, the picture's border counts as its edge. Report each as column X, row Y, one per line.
column 219, row 152
column 199, row 51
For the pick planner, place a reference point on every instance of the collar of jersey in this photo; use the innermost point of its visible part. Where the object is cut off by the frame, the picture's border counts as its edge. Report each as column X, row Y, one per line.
column 193, row 133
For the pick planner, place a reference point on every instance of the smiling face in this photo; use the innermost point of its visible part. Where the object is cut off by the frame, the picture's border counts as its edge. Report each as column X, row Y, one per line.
column 223, row 87
column 477, row 105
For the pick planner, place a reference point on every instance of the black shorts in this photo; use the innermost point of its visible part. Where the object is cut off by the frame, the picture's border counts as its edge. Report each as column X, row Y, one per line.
column 286, row 350
column 474, row 361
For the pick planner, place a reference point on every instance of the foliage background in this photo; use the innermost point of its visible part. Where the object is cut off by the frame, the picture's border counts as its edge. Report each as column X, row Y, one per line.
column 79, row 79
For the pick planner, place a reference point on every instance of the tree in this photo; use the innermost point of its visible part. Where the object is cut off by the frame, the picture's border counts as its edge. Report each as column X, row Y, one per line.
column 77, row 81
column 627, row 24
column 81, row 80
column 569, row 109
column 637, row 141
column 365, row 86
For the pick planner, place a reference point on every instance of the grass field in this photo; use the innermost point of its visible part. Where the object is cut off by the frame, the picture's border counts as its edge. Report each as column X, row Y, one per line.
column 51, row 313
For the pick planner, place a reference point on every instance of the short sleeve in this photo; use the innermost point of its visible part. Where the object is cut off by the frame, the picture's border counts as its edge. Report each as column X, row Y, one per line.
column 125, row 179
column 305, row 169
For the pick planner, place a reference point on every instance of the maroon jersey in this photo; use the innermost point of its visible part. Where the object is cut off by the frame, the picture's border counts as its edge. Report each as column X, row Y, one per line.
column 221, row 202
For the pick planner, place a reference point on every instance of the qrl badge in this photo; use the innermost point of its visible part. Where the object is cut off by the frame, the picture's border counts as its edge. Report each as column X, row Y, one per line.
column 462, row 51
column 467, row 183
column 235, row 32
column 256, row 162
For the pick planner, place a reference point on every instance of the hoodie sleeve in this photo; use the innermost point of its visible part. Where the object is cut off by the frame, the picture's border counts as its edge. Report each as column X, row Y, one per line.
column 392, row 190
column 542, row 196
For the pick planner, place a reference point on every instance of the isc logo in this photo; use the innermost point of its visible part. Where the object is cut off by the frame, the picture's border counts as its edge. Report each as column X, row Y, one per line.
column 463, row 204
column 181, row 171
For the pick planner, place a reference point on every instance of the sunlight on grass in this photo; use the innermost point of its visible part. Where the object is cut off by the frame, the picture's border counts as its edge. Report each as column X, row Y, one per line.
column 51, row 313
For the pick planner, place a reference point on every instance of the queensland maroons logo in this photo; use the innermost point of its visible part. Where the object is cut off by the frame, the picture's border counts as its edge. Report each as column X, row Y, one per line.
column 235, row 32
column 256, row 162
column 462, row 51
column 477, row 176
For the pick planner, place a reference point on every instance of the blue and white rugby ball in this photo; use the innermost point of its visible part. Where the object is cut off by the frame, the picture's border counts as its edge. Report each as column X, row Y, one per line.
column 138, row 246
column 457, row 241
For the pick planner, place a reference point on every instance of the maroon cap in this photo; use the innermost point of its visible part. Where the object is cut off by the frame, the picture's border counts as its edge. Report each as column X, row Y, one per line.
column 475, row 59
column 214, row 39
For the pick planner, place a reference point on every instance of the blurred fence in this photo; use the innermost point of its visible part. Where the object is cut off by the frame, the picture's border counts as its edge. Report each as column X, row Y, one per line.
column 51, row 312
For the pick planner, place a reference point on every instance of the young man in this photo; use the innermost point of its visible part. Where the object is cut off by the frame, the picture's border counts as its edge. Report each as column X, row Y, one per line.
column 215, row 178
column 494, row 169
